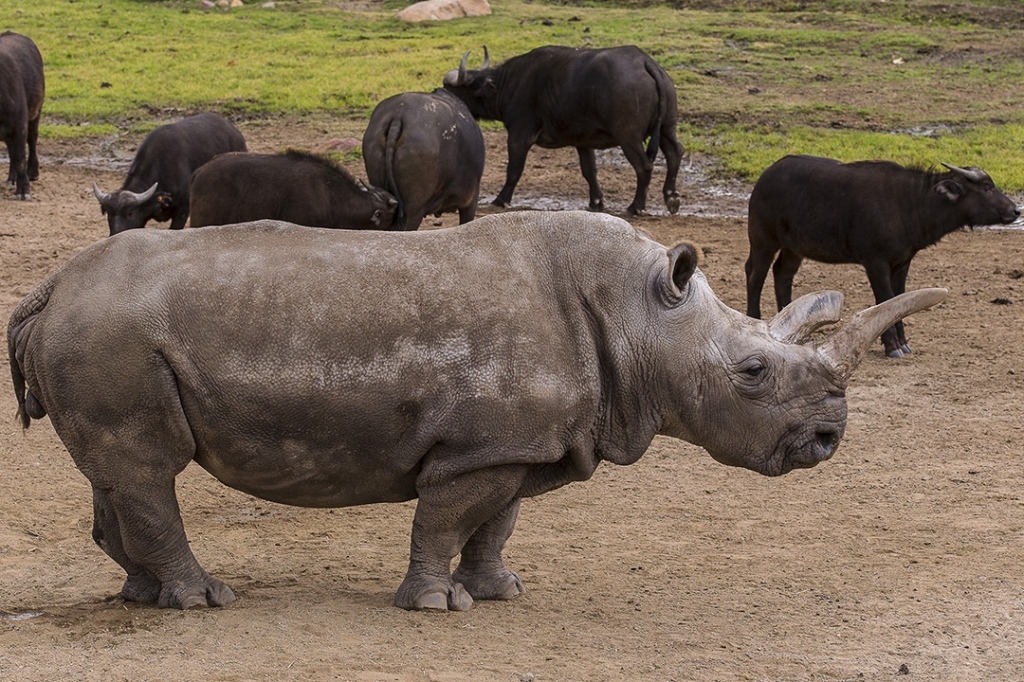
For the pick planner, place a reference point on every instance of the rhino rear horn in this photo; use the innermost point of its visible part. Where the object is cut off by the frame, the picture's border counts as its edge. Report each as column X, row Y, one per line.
column 797, row 321
column 845, row 349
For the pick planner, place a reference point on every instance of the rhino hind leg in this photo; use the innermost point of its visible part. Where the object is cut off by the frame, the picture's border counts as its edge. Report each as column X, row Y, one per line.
column 153, row 548
column 450, row 512
column 481, row 570
column 140, row 585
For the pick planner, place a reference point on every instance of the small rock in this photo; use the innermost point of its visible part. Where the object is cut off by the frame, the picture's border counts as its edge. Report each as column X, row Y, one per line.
column 440, row 10
column 1002, row 301
column 237, row 3
column 223, row 3
column 904, row 669
column 268, row 5
column 206, row 4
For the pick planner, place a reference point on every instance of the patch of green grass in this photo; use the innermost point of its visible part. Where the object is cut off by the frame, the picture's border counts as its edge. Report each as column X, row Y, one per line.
column 754, row 78
column 747, row 150
column 59, row 131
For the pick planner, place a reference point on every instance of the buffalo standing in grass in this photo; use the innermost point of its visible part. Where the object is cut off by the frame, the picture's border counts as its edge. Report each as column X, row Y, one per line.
column 296, row 187
column 158, row 181
column 427, row 150
column 22, row 89
column 875, row 213
column 589, row 99
column 470, row 368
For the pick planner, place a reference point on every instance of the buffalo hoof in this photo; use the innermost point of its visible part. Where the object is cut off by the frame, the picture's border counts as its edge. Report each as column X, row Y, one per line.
column 504, row 584
column 24, row 197
column 210, row 593
column 906, row 349
column 894, row 353
column 672, row 203
column 501, row 203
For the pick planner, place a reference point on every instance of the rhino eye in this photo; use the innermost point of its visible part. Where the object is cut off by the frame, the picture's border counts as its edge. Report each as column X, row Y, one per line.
column 752, row 367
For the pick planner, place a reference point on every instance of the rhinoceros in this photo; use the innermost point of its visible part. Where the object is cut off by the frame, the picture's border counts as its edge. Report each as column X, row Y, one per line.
column 468, row 367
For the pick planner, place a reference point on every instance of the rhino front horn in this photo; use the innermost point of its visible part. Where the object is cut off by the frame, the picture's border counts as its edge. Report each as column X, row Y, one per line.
column 845, row 349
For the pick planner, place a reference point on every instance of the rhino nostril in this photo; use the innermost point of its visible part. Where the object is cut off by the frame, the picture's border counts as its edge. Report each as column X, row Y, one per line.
column 827, row 441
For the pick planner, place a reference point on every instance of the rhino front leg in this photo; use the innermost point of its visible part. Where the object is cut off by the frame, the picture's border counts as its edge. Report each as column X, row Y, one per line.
column 481, row 570
column 448, row 514
column 141, row 585
column 153, row 536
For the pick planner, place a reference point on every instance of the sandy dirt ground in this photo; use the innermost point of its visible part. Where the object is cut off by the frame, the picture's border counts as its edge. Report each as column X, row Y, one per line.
column 900, row 556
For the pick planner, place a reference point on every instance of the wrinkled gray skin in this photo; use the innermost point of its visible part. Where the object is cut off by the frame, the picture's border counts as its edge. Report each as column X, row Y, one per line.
column 468, row 367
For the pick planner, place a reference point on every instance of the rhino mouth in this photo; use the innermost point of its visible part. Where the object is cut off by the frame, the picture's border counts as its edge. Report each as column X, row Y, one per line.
column 805, row 448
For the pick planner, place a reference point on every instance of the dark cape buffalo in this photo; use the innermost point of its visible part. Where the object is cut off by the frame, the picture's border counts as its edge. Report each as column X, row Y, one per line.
column 22, row 89
column 296, row 187
column 427, row 150
column 588, row 99
column 158, row 181
column 875, row 213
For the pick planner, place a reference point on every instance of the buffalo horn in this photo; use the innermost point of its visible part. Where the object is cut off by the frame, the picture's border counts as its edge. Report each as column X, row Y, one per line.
column 845, row 349
column 797, row 321
column 972, row 174
column 139, row 198
column 100, row 195
column 462, row 70
column 487, row 60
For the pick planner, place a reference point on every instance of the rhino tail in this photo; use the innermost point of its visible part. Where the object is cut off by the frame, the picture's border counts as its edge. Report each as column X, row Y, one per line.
column 18, row 331
column 394, row 132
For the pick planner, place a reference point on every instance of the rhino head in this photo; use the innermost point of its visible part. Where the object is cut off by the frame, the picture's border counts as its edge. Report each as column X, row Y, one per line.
column 770, row 396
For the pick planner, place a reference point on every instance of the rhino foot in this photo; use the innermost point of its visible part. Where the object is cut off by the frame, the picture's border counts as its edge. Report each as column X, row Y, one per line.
column 503, row 584
column 143, row 587
column 210, row 592
column 433, row 598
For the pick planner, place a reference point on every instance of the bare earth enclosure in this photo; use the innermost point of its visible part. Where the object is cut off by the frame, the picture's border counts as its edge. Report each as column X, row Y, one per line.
column 901, row 555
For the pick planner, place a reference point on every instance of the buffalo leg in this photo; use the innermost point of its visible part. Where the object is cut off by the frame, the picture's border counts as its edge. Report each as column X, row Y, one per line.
column 673, row 152
column 449, row 512
column 178, row 220
column 643, row 166
column 757, row 266
column 881, row 284
column 152, row 536
column 18, row 175
column 588, row 164
column 899, row 286
column 481, row 570
column 468, row 212
column 517, row 151
column 33, row 155
column 783, row 273
column 141, row 585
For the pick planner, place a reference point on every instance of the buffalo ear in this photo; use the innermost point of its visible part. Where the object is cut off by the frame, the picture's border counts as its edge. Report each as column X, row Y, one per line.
column 950, row 189
column 164, row 199
column 682, row 262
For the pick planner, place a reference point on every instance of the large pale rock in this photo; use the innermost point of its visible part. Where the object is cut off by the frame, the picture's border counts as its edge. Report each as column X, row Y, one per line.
column 440, row 10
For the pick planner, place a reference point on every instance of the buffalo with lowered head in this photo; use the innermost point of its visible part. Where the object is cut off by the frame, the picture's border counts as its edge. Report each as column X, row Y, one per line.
column 875, row 213
column 584, row 98
column 158, row 181
column 22, row 90
column 294, row 186
column 469, row 367
column 426, row 149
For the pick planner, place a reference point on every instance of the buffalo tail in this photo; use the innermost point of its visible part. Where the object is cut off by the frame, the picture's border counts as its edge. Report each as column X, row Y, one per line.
column 394, row 132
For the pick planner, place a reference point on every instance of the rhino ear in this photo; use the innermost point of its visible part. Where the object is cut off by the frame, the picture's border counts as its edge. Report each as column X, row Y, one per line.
column 682, row 262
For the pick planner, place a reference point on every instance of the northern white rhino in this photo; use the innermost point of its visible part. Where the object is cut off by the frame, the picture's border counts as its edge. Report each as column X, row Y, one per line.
column 468, row 367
